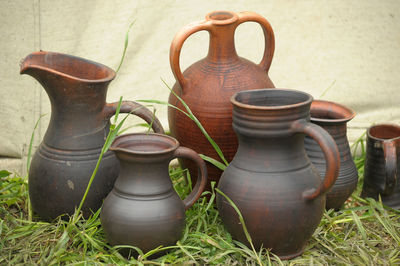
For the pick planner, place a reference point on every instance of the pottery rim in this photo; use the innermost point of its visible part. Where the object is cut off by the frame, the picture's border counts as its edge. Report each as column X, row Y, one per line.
column 344, row 113
column 378, row 136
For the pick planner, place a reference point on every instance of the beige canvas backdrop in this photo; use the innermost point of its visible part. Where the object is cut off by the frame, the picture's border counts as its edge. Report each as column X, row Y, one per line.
column 343, row 51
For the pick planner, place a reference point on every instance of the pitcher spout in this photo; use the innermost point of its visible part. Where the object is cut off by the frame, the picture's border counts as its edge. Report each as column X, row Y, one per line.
column 65, row 66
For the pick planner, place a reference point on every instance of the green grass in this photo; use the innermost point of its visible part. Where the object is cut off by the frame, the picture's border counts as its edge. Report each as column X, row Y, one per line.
column 363, row 233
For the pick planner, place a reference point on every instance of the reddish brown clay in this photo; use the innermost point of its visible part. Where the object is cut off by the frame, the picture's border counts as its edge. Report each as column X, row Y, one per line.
column 79, row 124
column 270, row 179
column 143, row 209
column 382, row 165
column 333, row 117
column 207, row 85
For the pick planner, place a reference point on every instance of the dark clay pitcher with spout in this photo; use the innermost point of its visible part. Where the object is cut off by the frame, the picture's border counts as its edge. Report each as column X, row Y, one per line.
column 143, row 209
column 271, row 180
column 79, row 124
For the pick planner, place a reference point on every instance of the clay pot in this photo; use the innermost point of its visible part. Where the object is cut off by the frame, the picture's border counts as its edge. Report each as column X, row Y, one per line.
column 382, row 165
column 79, row 124
column 143, row 209
column 333, row 117
column 207, row 85
column 270, row 179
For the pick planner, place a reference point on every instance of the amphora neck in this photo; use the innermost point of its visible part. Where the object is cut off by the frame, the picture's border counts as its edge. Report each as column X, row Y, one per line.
column 222, row 36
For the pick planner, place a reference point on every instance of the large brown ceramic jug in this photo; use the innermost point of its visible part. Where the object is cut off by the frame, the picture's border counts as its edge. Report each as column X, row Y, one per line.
column 143, row 209
column 79, row 124
column 270, row 179
column 382, row 164
column 207, row 85
column 333, row 117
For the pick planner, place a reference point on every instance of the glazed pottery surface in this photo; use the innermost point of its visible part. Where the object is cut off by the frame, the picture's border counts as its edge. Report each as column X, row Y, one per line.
column 207, row 85
column 79, row 124
column 333, row 117
column 271, row 180
column 143, row 209
column 382, row 165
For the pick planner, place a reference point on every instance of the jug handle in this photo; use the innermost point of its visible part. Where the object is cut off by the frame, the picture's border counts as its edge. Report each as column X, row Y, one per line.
column 331, row 153
column 390, row 154
column 186, row 153
column 269, row 37
column 137, row 109
column 177, row 43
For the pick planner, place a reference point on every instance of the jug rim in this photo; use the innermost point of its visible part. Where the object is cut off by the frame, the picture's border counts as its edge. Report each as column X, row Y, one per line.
column 343, row 113
column 222, row 17
column 307, row 101
column 26, row 65
column 373, row 135
column 140, row 137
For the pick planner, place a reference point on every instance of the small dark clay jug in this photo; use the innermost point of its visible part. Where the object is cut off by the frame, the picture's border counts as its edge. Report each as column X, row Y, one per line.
column 382, row 164
column 79, row 124
column 207, row 85
column 271, row 179
column 333, row 117
column 143, row 209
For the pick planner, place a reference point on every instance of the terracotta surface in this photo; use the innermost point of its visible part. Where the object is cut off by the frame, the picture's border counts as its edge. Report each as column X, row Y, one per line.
column 143, row 209
column 271, row 180
column 334, row 117
column 207, row 85
column 79, row 124
column 382, row 164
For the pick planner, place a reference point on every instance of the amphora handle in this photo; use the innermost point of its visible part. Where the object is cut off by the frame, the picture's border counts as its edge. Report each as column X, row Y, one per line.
column 209, row 24
column 186, row 153
column 331, row 153
column 137, row 109
column 390, row 154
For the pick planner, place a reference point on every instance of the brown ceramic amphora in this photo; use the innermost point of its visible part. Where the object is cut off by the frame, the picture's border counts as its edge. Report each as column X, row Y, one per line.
column 333, row 117
column 143, row 209
column 271, row 179
column 79, row 124
column 207, row 85
column 382, row 165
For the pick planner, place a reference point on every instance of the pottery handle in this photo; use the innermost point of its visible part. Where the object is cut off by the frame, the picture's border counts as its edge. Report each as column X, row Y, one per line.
column 201, row 181
column 269, row 37
column 331, row 153
column 138, row 110
column 177, row 43
column 390, row 154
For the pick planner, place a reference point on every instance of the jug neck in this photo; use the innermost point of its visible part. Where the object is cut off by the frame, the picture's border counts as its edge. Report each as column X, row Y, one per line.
column 144, row 176
column 77, row 90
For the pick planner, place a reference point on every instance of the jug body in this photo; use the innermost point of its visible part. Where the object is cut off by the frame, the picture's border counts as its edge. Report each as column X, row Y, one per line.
column 382, row 165
column 271, row 180
column 333, row 117
column 79, row 124
column 207, row 85
column 143, row 209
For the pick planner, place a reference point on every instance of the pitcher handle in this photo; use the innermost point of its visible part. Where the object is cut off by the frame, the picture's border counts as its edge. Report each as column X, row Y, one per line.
column 331, row 153
column 177, row 43
column 201, row 181
column 390, row 154
column 138, row 110
column 269, row 37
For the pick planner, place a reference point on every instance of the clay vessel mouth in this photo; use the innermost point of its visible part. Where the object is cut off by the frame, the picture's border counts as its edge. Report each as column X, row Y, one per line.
column 384, row 132
column 69, row 66
column 144, row 144
column 271, row 99
column 222, row 17
column 326, row 111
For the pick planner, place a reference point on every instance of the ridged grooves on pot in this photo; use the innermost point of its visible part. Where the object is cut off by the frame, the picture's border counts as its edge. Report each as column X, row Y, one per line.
column 79, row 124
column 270, row 179
column 207, row 85
column 382, row 164
column 333, row 117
